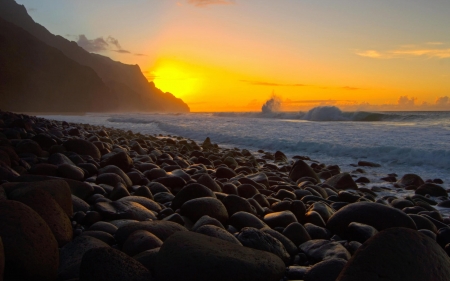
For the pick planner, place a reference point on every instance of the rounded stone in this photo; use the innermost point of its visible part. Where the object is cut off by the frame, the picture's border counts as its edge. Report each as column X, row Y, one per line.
column 31, row 250
column 296, row 233
column 198, row 207
column 82, row 147
column 193, row 256
column 342, row 181
column 218, row 232
column 235, row 204
column 162, row 229
column 243, row 219
column 108, row 264
column 327, row 270
column 300, row 170
column 280, row 219
column 431, row 189
column 189, row 192
column 139, row 241
column 412, row 256
column 377, row 215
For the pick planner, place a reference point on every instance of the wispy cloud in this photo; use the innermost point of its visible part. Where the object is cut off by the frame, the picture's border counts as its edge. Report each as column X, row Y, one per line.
column 262, row 83
column 204, row 3
column 348, row 88
column 435, row 50
column 100, row 44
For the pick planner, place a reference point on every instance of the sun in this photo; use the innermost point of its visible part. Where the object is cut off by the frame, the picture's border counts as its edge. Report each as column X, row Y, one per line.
column 175, row 78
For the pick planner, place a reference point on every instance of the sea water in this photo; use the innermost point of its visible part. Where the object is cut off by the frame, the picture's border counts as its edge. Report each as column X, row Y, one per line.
column 401, row 142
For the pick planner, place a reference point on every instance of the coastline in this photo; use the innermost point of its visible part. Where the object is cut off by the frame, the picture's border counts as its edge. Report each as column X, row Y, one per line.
column 120, row 182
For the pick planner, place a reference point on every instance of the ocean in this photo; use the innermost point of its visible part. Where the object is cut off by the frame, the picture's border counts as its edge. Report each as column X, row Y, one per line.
column 402, row 142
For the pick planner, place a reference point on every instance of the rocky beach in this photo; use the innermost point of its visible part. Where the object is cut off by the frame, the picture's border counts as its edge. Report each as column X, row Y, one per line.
column 85, row 202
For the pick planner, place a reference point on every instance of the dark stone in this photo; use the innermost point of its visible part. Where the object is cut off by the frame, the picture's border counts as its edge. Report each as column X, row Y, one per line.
column 431, row 189
column 100, row 235
column 30, row 249
column 103, row 226
column 423, row 223
column 368, row 164
column 111, row 179
column 29, row 146
column 108, row 264
column 116, row 170
column 247, row 190
column 155, row 173
column 360, row 232
column 189, row 192
column 139, row 241
column 192, row 256
column 218, row 232
column 243, row 219
column 342, row 181
column 225, row 172
column 377, row 215
column 162, row 229
column 206, row 220
column 120, row 159
column 300, row 170
column 317, row 232
column 70, row 172
column 71, row 254
column 321, row 250
column 147, row 203
column 119, row 191
column 43, row 203
column 259, row 240
column 280, row 219
column 124, row 210
column 207, row 181
column 403, row 262
column 234, row 204
column 144, row 191
column 410, row 180
column 82, row 147
column 314, row 218
column 198, row 207
column 175, row 184
column 79, row 204
column 229, row 188
column 327, row 270
column 291, row 248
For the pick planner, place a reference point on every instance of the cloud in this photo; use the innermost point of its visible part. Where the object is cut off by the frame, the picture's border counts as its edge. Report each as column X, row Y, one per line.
column 442, row 101
column 204, row 3
column 406, row 101
column 261, row 83
column 100, row 44
column 140, row 55
column 428, row 50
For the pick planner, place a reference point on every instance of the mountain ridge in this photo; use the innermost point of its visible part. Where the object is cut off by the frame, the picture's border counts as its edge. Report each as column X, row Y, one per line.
column 127, row 83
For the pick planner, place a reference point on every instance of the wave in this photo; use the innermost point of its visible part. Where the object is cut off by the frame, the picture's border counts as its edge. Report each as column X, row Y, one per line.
column 333, row 113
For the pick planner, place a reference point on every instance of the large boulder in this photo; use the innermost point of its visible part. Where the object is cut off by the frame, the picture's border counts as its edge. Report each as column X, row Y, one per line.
column 43, row 203
column 376, row 215
column 193, row 256
column 398, row 254
column 31, row 250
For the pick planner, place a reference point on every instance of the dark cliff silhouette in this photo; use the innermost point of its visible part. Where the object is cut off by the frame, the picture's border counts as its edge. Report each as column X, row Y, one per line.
column 128, row 88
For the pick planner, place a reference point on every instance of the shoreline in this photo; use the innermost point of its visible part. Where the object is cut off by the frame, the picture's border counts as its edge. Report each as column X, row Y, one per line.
column 125, row 188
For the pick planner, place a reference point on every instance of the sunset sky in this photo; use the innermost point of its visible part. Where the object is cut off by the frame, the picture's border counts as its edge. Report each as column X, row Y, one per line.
column 223, row 55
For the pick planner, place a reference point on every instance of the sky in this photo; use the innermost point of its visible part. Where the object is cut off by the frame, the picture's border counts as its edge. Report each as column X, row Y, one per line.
column 234, row 55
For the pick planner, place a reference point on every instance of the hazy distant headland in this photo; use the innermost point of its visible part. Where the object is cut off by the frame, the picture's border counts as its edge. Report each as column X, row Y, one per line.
column 42, row 72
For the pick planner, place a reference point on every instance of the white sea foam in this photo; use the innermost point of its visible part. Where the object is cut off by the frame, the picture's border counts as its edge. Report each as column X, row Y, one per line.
column 402, row 142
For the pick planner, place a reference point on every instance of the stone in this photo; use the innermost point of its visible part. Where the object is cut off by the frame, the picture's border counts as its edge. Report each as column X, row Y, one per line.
column 162, row 229
column 174, row 183
column 100, row 235
column 147, row 203
column 243, row 219
column 410, row 180
column 139, row 241
column 431, row 189
column 259, row 240
column 235, row 204
column 321, row 250
column 120, row 159
column 43, row 203
column 225, row 172
column 79, row 204
column 374, row 214
column 191, row 191
column 217, row 232
column 412, row 256
column 111, row 179
column 108, row 264
column 70, row 172
column 206, row 220
column 104, row 226
column 207, row 181
column 360, row 232
column 198, row 207
column 290, row 247
column 116, row 170
column 82, row 147
column 193, row 256
column 31, row 250
column 317, row 232
column 2, row 260
column 300, row 170
column 247, row 191
column 327, row 270
column 280, row 219
column 124, row 210
column 342, row 181
column 29, row 146
column 296, row 233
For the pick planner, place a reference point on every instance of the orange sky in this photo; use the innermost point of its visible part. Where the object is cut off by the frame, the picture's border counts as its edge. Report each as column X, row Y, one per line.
column 233, row 55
